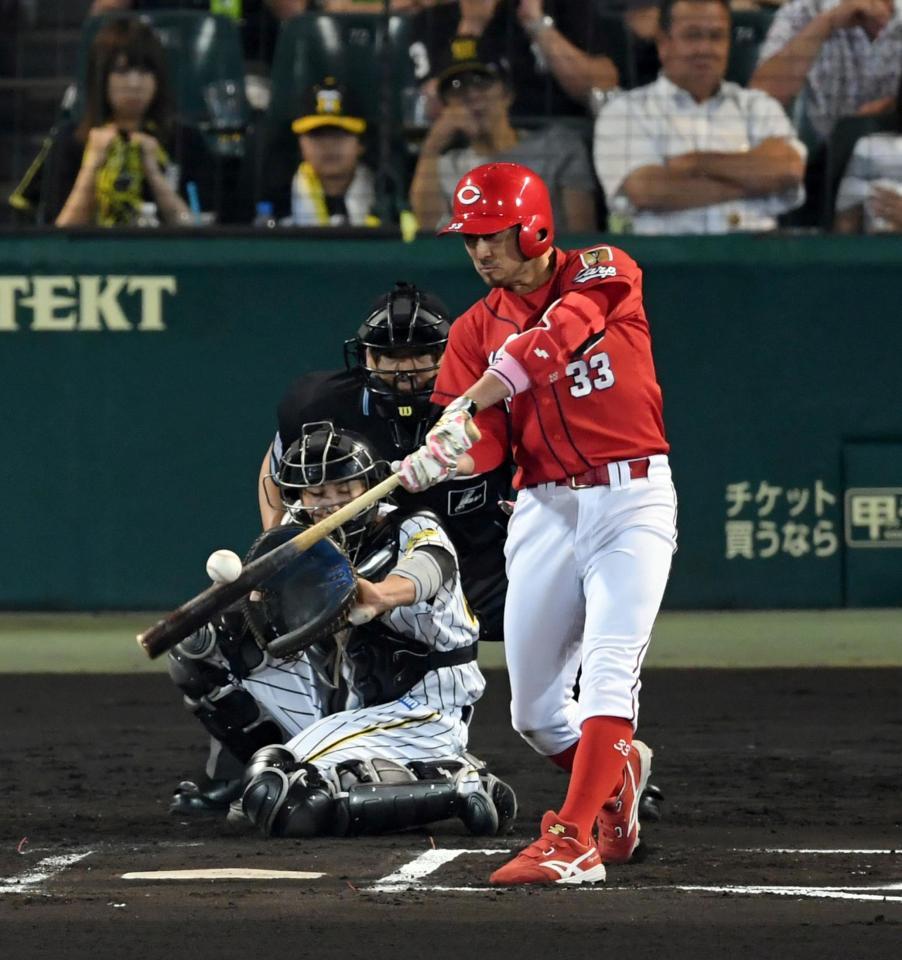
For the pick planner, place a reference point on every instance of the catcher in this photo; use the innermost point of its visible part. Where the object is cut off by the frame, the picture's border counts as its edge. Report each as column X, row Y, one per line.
column 347, row 697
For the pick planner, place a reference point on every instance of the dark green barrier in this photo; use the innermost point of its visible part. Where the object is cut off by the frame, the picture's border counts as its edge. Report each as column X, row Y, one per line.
column 140, row 377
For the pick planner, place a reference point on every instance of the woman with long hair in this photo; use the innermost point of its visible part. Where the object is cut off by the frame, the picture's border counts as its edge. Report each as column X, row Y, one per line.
column 127, row 149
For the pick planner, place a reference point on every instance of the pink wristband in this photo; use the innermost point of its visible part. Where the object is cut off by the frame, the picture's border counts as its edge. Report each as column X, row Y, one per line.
column 511, row 373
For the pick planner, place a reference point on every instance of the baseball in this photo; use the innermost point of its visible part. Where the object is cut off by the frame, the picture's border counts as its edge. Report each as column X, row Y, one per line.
column 223, row 566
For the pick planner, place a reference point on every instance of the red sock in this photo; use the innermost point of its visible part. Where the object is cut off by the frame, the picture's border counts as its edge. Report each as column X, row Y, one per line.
column 564, row 759
column 597, row 769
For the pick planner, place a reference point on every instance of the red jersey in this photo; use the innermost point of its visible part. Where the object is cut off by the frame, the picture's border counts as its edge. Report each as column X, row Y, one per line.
column 577, row 355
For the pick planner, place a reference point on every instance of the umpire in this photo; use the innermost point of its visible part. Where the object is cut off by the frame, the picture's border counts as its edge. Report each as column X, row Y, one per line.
column 384, row 395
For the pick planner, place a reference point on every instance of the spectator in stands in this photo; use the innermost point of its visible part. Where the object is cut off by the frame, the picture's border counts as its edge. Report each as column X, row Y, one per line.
column 841, row 56
column 127, row 149
column 870, row 194
column 260, row 20
column 692, row 153
column 555, row 51
column 474, row 127
column 332, row 185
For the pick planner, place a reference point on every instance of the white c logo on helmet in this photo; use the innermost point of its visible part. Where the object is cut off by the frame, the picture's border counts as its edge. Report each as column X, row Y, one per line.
column 469, row 194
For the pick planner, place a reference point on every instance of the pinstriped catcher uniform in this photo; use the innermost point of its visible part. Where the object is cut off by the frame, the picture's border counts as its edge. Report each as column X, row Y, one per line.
column 318, row 700
column 427, row 721
column 391, row 697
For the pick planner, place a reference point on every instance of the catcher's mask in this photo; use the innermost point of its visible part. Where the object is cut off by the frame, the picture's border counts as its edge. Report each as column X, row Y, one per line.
column 325, row 469
column 406, row 323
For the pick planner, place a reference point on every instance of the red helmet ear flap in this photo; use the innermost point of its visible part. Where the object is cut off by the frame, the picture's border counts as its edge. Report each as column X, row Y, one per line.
column 535, row 237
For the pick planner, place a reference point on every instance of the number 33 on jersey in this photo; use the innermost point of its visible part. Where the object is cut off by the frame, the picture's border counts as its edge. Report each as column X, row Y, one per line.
column 578, row 355
column 596, row 374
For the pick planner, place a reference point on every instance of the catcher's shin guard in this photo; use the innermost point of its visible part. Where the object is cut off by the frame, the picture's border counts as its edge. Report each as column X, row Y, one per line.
column 372, row 808
column 395, row 799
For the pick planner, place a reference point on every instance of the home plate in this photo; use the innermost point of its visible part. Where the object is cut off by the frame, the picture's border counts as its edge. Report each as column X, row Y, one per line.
column 223, row 873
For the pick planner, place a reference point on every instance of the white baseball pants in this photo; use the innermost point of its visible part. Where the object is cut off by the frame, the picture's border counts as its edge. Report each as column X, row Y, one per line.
column 587, row 571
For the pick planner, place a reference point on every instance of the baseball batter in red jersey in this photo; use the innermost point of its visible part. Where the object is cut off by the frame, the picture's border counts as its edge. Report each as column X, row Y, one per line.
column 556, row 362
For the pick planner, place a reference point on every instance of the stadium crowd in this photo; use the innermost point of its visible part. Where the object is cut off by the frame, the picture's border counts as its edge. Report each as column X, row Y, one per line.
column 670, row 117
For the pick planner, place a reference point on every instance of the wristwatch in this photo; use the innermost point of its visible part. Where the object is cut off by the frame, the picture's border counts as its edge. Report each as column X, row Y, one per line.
column 535, row 27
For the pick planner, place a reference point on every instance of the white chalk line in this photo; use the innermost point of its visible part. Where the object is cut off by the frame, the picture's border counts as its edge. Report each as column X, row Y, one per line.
column 31, row 880
column 115, row 847
column 817, row 893
column 41, row 872
column 818, row 851
column 408, row 876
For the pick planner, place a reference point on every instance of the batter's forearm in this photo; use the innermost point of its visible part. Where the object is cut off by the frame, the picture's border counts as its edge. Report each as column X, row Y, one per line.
column 488, row 390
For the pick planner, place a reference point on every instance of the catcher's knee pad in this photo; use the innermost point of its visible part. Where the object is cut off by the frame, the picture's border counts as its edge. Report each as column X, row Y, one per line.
column 286, row 798
column 227, row 711
column 189, row 669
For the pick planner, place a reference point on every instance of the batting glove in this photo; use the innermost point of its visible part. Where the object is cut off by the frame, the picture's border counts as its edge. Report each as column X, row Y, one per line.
column 422, row 470
column 449, row 438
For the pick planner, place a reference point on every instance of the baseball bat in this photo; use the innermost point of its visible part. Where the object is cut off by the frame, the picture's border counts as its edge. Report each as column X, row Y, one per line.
column 184, row 620
column 175, row 626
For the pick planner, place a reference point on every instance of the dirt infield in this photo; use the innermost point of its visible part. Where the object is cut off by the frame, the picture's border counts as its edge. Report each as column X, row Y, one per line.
column 760, row 768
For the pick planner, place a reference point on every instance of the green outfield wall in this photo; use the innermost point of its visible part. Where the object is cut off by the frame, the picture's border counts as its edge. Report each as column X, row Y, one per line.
column 140, row 375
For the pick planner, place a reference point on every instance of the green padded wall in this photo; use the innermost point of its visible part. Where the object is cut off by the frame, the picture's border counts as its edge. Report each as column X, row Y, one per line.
column 140, row 377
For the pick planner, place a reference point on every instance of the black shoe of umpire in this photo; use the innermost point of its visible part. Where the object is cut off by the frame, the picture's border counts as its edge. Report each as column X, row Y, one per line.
column 650, row 804
column 210, row 800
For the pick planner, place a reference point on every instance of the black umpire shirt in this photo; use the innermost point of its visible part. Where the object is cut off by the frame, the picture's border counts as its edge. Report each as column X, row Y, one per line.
column 468, row 507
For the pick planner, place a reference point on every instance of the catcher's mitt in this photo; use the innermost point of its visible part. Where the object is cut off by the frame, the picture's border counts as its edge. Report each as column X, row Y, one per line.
column 306, row 601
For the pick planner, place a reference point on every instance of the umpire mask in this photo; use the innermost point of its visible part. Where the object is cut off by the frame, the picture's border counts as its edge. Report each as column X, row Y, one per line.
column 399, row 346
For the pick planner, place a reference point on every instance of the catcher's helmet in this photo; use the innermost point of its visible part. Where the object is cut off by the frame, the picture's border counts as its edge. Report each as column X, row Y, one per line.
column 325, row 454
column 497, row 196
column 405, row 322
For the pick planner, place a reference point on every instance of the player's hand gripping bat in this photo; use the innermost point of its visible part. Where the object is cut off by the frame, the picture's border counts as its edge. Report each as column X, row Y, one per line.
column 184, row 620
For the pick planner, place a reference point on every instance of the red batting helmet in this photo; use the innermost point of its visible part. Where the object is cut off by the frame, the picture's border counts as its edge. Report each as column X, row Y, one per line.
column 496, row 196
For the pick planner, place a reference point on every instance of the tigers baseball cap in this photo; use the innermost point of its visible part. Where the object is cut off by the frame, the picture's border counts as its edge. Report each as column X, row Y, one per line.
column 328, row 104
column 462, row 67
column 474, row 73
